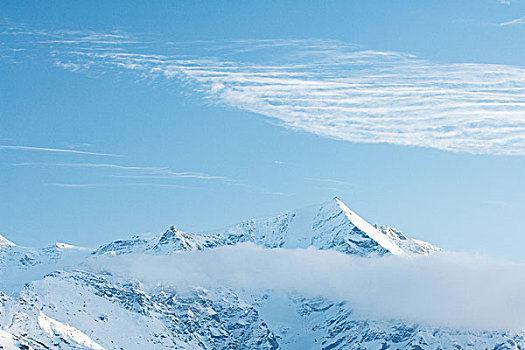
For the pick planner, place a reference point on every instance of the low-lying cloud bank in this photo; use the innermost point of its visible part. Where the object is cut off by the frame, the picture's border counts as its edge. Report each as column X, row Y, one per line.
column 445, row 289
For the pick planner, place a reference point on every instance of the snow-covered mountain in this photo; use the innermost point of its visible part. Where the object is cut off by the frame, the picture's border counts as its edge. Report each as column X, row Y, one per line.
column 83, row 304
column 331, row 225
column 22, row 264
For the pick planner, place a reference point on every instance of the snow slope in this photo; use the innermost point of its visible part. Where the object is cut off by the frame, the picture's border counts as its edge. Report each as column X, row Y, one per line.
column 25, row 326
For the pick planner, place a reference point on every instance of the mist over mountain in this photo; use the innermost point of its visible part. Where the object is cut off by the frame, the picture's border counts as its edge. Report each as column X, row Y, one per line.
column 319, row 277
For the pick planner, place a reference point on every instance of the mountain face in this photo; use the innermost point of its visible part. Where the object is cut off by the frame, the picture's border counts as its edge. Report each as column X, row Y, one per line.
column 407, row 244
column 67, row 298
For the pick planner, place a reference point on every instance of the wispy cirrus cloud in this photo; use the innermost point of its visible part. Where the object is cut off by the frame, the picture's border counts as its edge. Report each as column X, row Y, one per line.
column 59, row 150
column 134, row 184
column 328, row 88
column 515, row 22
column 75, row 146
column 143, row 171
column 123, row 175
column 333, row 182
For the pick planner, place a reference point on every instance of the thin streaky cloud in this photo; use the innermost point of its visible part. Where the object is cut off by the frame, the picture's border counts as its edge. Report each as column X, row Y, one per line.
column 171, row 175
column 67, row 185
column 230, row 182
column 142, row 176
column 270, row 193
column 515, row 22
column 331, row 181
column 150, row 171
column 60, row 150
column 73, row 146
column 89, row 165
column 329, row 88
column 141, row 172
column 137, row 184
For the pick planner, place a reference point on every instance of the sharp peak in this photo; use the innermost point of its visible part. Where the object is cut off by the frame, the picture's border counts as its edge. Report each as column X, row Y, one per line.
column 339, row 201
column 335, row 201
column 5, row 241
column 366, row 227
column 173, row 229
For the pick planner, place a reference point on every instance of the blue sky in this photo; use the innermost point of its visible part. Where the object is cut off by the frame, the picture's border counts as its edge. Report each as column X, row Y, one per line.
column 127, row 117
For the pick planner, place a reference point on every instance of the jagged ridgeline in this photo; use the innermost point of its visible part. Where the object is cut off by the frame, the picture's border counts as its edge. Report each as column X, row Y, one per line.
column 55, row 299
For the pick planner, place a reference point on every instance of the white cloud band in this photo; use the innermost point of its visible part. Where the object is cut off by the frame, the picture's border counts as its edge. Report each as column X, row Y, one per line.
column 446, row 289
column 332, row 89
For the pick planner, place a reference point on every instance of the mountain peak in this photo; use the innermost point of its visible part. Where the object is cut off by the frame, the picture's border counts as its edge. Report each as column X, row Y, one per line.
column 5, row 242
column 174, row 239
column 368, row 229
column 327, row 226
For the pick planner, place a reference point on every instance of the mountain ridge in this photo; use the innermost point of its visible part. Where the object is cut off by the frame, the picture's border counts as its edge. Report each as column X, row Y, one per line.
column 330, row 225
column 79, row 303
